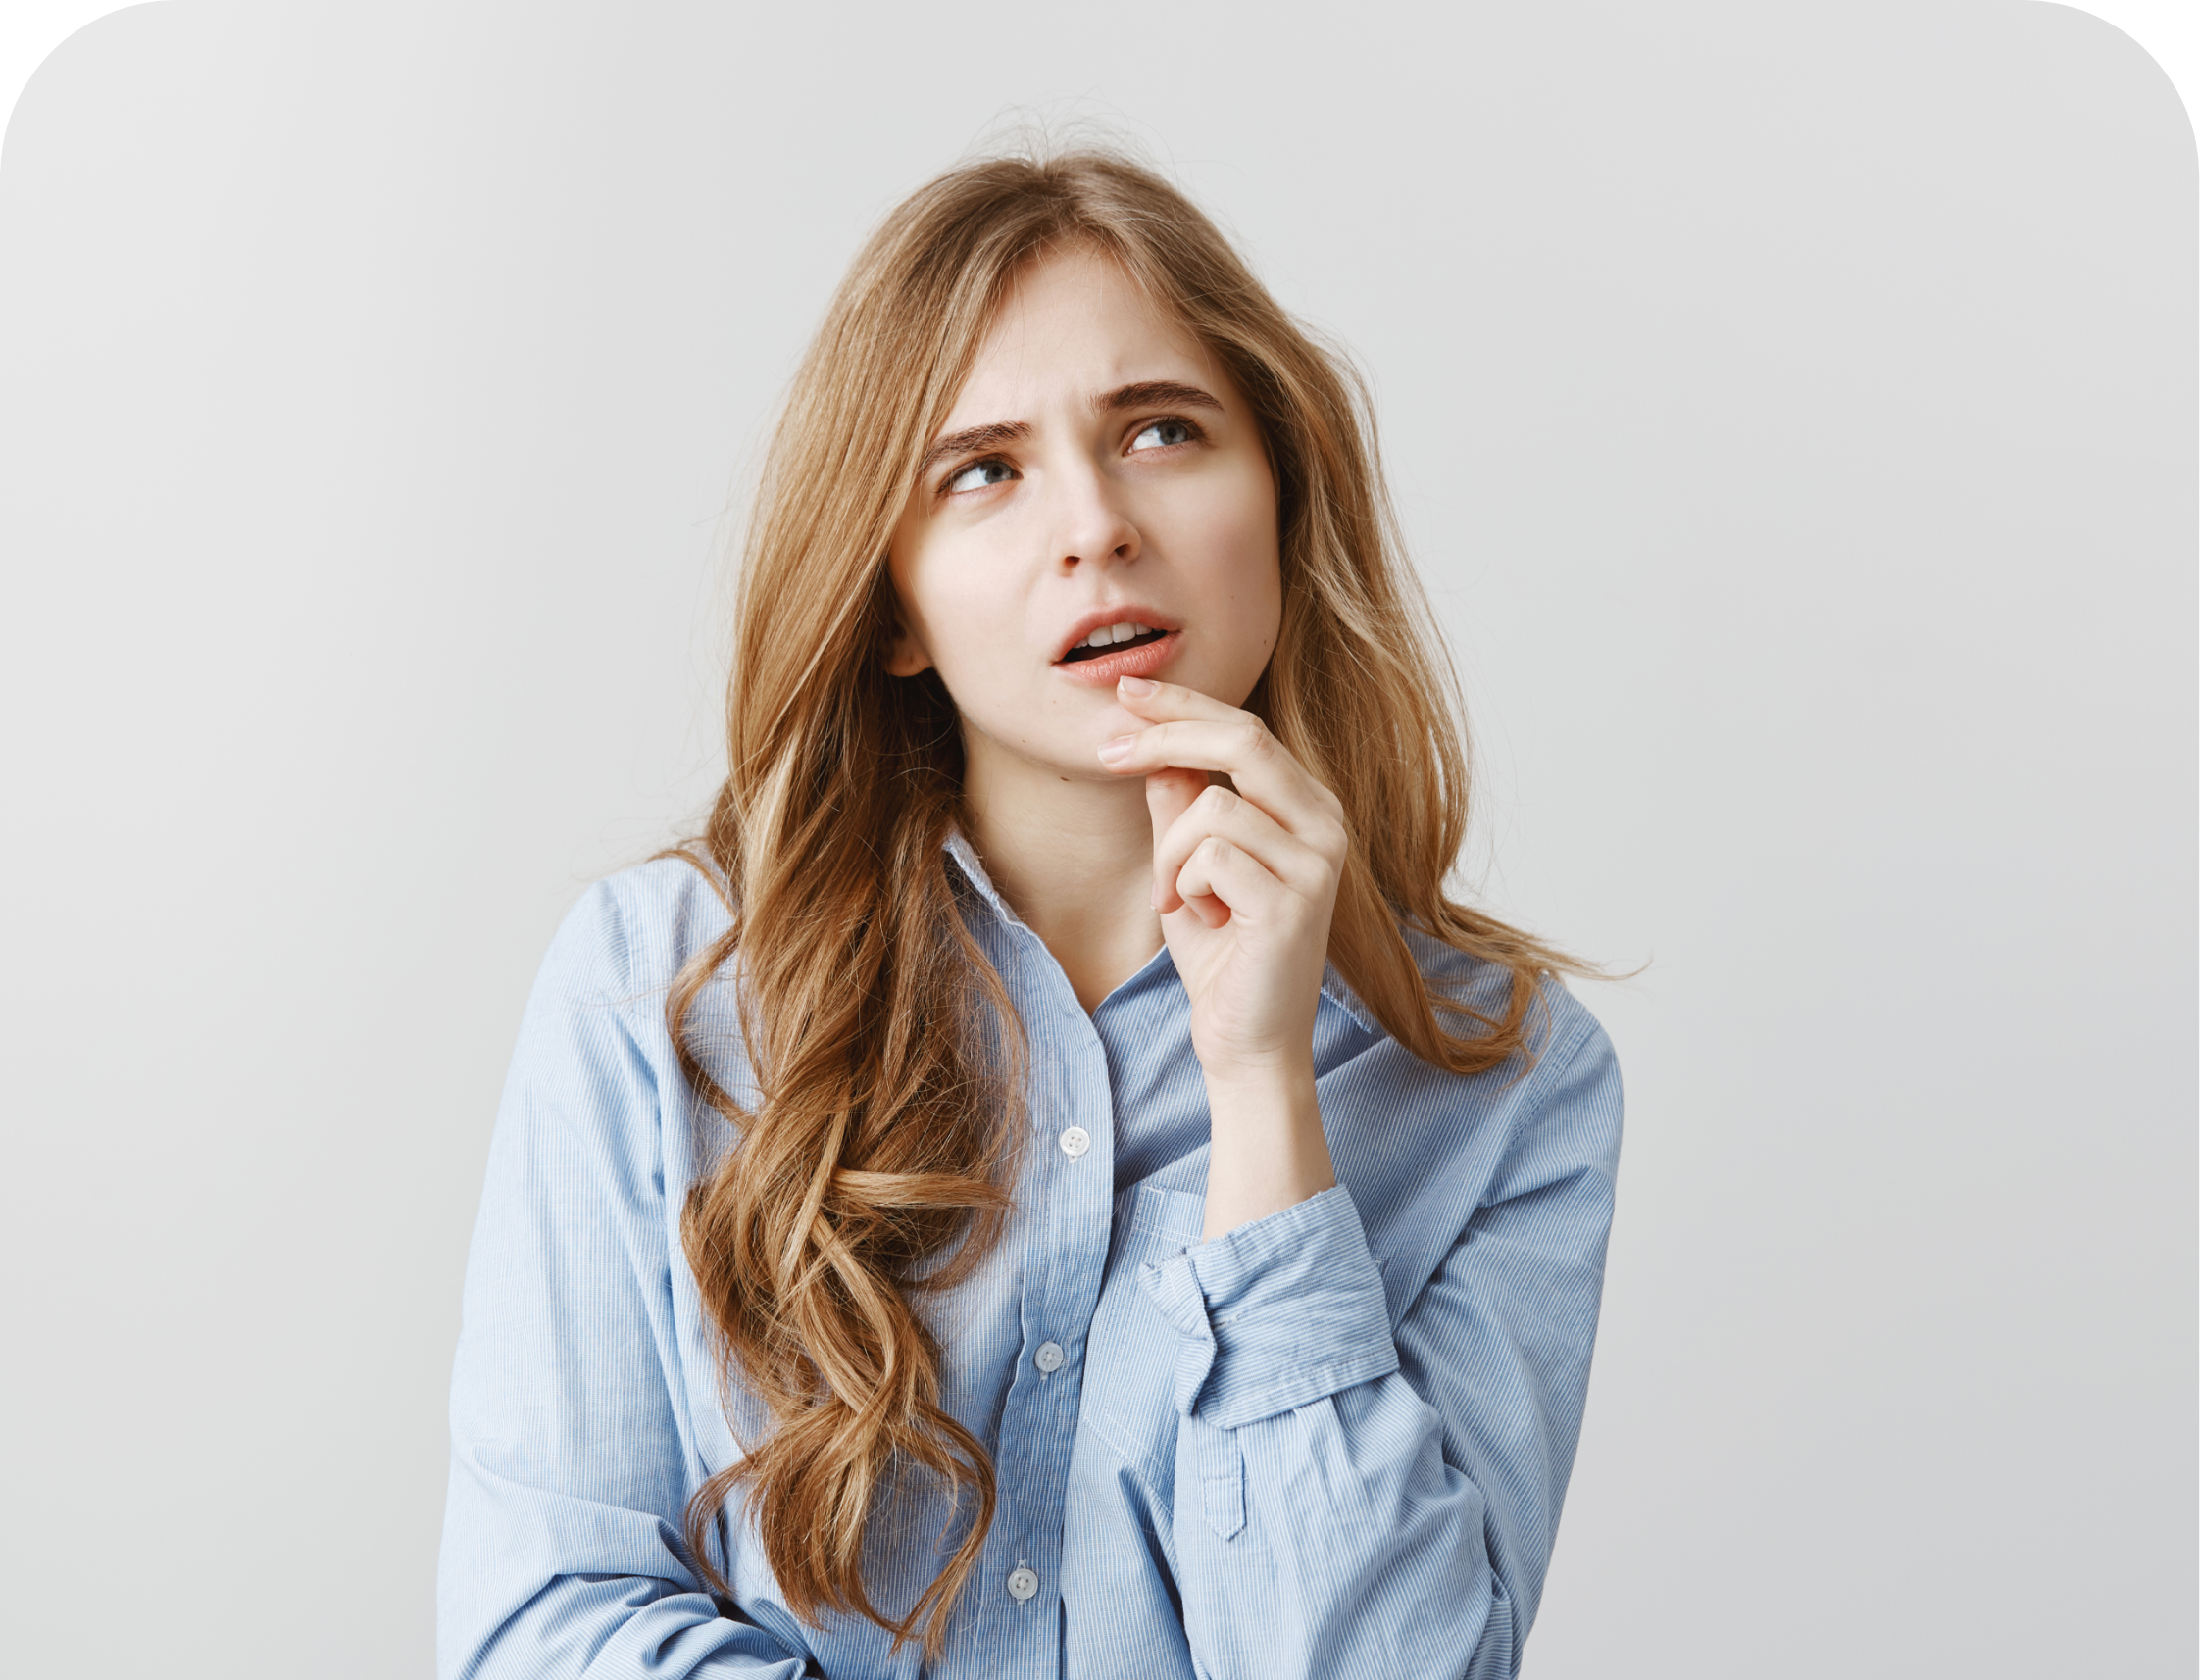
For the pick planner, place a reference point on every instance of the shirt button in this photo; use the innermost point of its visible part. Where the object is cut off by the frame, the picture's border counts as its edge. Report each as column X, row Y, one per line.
column 1075, row 1141
column 1022, row 1584
column 1049, row 1357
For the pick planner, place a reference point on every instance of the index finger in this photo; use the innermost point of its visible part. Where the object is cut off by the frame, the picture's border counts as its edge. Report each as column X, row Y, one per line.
column 1237, row 744
column 1171, row 702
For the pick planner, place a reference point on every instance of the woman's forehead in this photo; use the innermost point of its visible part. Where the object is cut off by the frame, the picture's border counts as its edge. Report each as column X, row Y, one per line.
column 1072, row 326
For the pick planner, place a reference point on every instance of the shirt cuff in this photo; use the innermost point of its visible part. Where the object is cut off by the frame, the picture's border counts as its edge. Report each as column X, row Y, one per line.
column 1279, row 1314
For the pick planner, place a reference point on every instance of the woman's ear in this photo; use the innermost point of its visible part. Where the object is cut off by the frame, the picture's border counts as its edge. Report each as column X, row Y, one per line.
column 905, row 655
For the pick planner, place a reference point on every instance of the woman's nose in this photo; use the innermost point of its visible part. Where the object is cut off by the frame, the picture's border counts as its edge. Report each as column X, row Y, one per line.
column 1091, row 526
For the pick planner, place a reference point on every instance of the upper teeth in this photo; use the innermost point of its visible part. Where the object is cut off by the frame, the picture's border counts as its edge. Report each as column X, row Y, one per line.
column 1108, row 634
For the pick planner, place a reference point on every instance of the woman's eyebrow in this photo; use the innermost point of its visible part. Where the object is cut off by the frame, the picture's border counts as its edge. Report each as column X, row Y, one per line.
column 1142, row 394
column 971, row 439
column 1155, row 394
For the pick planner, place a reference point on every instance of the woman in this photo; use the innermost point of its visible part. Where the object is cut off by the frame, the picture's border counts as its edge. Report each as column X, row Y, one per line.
column 1047, row 1183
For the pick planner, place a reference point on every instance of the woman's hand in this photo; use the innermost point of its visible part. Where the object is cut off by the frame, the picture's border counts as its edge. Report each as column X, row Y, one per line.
column 1245, row 883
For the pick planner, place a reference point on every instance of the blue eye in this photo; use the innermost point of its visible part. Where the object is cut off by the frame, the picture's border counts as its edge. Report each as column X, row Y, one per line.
column 979, row 475
column 1163, row 433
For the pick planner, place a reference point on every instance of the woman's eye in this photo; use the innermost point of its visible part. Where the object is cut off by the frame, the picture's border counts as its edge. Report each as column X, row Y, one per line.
column 1163, row 433
column 978, row 475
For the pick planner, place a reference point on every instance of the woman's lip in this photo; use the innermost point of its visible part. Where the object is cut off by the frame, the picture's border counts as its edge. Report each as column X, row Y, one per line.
column 1105, row 617
column 1103, row 669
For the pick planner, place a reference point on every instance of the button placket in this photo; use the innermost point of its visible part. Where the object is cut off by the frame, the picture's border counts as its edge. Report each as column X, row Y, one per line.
column 1072, row 1206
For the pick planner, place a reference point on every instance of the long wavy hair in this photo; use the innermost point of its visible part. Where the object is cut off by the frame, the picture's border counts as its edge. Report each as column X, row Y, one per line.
column 872, row 1161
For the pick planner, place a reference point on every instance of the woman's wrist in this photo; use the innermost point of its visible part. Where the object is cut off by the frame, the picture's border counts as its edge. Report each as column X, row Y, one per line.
column 1268, row 1150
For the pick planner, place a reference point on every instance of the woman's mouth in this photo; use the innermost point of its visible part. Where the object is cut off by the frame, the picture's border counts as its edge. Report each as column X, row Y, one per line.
column 1092, row 664
column 1110, row 637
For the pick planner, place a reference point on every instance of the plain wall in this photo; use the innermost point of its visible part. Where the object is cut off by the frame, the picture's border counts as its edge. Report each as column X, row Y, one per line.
column 1793, row 412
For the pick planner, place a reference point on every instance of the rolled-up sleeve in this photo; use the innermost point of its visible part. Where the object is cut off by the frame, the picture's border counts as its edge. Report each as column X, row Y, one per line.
column 570, row 1467
column 1370, row 1486
column 1276, row 1314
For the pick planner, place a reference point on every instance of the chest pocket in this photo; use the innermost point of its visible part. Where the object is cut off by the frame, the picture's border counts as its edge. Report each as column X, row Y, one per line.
column 1131, row 1362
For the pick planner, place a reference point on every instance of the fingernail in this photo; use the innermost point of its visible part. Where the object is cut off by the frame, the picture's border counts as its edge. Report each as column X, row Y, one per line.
column 1115, row 750
column 1138, row 686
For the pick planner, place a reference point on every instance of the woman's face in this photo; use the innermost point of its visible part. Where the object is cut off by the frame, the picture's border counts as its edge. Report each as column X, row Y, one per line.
column 1099, row 471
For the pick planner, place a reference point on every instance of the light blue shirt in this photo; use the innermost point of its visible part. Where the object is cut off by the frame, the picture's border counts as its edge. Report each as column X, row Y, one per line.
column 1331, row 1442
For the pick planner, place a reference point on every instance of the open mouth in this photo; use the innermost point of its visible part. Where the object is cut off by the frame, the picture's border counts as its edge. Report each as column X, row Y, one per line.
column 1117, row 639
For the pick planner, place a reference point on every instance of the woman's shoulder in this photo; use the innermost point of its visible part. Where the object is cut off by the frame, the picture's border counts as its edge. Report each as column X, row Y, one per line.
column 1423, row 1147
column 1537, row 1119
column 612, row 969
column 631, row 932
column 1560, row 1027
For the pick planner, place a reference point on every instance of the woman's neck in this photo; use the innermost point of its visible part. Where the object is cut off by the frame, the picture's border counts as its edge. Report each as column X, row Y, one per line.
column 1073, row 858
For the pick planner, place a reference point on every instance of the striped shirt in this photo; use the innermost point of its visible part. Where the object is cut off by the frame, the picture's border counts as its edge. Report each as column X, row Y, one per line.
column 1333, row 1442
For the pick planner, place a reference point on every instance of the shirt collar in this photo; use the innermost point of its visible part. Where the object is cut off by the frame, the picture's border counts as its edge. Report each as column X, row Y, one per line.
column 974, row 871
column 1346, row 999
column 967, row 860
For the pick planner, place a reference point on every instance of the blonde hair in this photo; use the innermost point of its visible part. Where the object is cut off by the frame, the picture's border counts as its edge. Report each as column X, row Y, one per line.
column 884, row 1046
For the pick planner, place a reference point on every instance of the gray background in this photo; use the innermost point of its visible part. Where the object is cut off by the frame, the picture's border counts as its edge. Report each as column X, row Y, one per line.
column 1793, row 412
